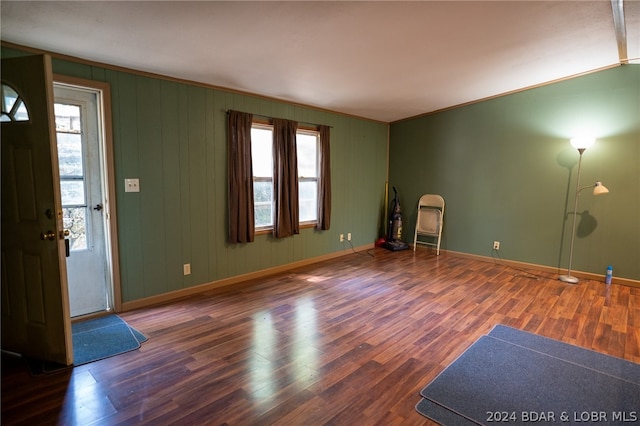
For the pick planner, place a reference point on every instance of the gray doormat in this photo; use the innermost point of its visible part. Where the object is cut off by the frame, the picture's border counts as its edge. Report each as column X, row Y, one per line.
column 93, row 340
column 511, row 376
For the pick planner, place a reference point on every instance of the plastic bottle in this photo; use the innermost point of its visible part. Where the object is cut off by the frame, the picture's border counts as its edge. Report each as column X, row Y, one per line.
column 609, row 276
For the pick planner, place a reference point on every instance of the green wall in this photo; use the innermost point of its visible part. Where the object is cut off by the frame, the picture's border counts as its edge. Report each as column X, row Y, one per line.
column 508, row 172
column 504, row 166
column 172, row 136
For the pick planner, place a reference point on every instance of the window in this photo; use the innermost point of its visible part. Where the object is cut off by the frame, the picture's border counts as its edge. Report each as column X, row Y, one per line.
column 262, row 162
column 72, row 173
column 307, row 149
column 13, row 107
column 307, row 144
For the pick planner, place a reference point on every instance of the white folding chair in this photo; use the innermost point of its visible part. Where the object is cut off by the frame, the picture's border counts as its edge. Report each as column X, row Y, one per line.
column 429, row 221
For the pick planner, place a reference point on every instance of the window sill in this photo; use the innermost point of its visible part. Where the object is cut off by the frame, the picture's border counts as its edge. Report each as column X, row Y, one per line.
column 266, row 231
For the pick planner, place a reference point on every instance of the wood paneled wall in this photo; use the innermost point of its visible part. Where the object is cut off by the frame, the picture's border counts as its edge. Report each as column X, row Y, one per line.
column 172, row 136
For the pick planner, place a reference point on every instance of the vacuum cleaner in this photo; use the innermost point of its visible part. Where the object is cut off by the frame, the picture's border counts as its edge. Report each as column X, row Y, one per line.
column 394, row 234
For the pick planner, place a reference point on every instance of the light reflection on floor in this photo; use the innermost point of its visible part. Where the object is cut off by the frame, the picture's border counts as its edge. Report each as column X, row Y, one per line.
column 262, row 381
column 86, row 400
column 268, row 347
column 304, row 350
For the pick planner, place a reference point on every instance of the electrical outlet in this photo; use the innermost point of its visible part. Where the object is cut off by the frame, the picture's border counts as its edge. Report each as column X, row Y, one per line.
column 349, row 236
column 186, row 269
column 341, row 238
column 496, row 245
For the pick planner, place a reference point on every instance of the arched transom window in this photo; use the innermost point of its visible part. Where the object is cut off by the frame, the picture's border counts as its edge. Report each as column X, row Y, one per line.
column 13, row 107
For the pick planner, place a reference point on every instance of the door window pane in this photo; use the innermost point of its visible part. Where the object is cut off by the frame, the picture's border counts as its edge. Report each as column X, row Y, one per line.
column 72, row 180
column 9, row 98
column 67, row 118
column 74, row 219
column 13, row 108
column 70, row 154
column 72, row 192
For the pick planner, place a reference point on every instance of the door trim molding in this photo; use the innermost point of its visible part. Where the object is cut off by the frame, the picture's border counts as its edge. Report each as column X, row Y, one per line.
column 110, row 184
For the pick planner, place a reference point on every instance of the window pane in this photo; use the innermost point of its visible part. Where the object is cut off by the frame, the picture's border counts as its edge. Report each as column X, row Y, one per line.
column 21, row 114
column 263, row 215
column 307, row 154
column 74, row 219
column 262, row 161
column 70, row 154
column 262, row 151
column 263, row 203
column 263, row 192
column 67, row 118
column 308, row 201
column 13, row 108
column 72, row 192
column 9, row 98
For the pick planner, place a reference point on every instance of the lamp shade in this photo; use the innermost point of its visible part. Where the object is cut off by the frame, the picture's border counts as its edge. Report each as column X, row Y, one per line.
column 582, row 142
column 599, row 188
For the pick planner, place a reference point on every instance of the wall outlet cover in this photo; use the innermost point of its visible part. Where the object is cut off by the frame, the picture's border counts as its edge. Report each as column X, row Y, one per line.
column 132, row 185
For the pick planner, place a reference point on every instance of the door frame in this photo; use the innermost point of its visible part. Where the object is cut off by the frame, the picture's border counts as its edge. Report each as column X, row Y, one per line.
column 109, row 190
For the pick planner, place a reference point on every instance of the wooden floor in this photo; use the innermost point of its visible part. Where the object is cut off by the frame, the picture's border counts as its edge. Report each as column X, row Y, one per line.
column 349, row 341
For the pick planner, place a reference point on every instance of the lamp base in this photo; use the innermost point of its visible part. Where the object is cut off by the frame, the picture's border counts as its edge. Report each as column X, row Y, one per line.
column 568, row 279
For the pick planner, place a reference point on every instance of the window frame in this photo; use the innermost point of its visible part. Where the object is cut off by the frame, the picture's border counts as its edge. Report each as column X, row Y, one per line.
column 267, row 125
column 316, row 179
column 86, row 239
column 263, row 125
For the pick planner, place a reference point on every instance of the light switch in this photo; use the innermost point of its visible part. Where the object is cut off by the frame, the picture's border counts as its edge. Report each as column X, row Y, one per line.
column 132, row 185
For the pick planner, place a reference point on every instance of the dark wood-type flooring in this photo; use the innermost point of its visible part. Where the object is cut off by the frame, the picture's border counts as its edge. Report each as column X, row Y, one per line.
column 349, row 341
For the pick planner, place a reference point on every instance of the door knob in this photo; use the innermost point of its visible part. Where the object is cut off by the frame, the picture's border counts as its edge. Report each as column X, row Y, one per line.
column 49, row 235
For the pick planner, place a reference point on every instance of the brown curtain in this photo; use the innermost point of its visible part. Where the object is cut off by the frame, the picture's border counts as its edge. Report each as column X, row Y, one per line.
column 240, row 180
column 324, row 183
column 285, row 178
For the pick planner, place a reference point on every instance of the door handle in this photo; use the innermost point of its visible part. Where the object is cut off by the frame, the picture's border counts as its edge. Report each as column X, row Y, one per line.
column 49, row 235
column 67, row 243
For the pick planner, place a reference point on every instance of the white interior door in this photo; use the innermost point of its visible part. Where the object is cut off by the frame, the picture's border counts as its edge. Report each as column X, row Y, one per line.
column 81, row 159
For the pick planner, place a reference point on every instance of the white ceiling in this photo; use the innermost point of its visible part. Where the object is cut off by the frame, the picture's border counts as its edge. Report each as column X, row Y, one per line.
column 379, row 60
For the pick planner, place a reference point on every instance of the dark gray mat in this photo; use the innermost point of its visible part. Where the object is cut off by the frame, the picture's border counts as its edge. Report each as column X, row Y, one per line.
column 103, row 337
column 442, row 415
column 604, row 363
column 531, row 380
column 93, row 340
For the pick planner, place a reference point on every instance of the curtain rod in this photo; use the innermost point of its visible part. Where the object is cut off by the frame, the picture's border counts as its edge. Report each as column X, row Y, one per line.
column 271, row 118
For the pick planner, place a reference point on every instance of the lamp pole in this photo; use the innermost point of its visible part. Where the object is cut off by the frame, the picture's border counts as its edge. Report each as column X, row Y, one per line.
column 580, row 144
column 568, row 278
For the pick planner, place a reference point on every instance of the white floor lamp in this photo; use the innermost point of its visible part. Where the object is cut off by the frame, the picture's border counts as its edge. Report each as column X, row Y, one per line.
column 581, row 144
